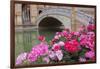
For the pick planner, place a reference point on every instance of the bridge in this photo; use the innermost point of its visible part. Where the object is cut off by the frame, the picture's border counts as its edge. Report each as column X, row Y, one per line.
column 61, row 17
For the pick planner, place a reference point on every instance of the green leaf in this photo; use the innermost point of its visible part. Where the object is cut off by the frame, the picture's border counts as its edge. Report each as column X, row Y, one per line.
column 63, row 39
column 81, row 53
column 78, row 39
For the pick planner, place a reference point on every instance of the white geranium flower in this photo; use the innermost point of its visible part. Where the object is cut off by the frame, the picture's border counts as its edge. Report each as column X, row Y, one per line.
column 59, row 54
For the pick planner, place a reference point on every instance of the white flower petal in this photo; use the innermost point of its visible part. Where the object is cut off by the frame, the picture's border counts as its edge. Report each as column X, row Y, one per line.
column 59, row 55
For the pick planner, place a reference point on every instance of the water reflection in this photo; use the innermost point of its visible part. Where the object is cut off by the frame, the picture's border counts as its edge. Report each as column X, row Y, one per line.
column 24, row 40
column 48, row 32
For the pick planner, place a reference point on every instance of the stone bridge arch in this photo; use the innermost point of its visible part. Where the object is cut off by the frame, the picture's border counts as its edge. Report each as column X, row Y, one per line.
column 64, row 16
column 58, row 15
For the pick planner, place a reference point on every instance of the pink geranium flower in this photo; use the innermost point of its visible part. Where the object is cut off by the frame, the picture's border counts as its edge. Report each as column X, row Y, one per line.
column 52, row 55
column 56, row 47
column 56, row 37
column 91, row 36
column 56, row 55
column 83, row 40
column 21, row 58
column 41, row 38
column 91, row 27
column 82, row 28
column 61, row 43
column 37, row 51
column 72, row 46
column 32, row 56
column 77, row 34
column 64, row 33
column 90, row 54
column 59, row 55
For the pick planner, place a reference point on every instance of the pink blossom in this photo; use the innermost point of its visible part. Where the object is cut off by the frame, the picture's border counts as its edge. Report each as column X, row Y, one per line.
column 90, row 54
column 21, row 58
column 61, row 43
column 56, row 47
column 90, row 44
column 53, row 41
column 56, row 55
column 83, row 36
column 41, row 48
column 32, row 56
column 41, row 38
column 82, row 28
column 59, row 55
column 83, row 42
column 56, row 37
column 81, row 59
column 46, row 59
column 64, row 33
column 52, row 55
column 77, row 33
column 91, row 27
column 91, row 35
column 37, row 51
column 69, row 36
column 72, row 46
column 72, row 33
column 83, row 39
column 57, row 33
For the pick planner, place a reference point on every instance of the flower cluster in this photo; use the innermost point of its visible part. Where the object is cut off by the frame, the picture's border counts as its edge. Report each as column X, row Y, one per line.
column 81, row 43
column 72, row 46
column 21, row 58
column 37, row 51
column 66, row 46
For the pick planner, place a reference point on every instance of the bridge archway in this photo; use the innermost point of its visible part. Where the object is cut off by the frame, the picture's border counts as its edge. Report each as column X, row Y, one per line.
column 54, row 17
column 50, row 23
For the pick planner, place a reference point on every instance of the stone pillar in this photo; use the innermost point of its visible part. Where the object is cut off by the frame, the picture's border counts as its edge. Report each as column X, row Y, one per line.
column 73, row 19
column 18, row 14
column 33, row 13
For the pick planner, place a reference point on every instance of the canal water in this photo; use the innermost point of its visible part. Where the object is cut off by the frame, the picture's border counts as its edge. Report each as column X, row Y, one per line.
column 25, row 40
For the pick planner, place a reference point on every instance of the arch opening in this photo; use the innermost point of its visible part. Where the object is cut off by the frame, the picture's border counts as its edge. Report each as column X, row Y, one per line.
column 48, row 26
column 50, row 23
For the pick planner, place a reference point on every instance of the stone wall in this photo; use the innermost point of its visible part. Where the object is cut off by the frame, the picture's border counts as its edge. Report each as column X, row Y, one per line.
column 35, row 10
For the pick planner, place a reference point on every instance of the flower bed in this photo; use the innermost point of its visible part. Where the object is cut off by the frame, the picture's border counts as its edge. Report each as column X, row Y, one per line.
column 66, row 47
